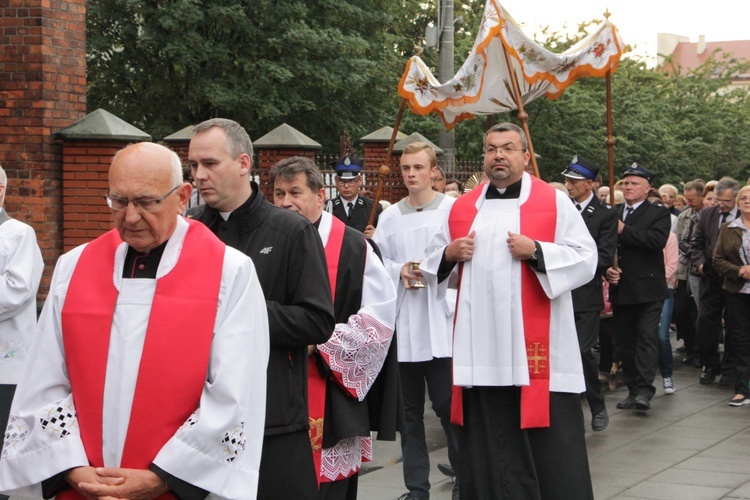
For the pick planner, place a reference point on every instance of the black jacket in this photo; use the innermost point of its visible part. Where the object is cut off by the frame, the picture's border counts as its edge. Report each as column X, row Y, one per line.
column 360, row 212
column 703, row 242
column 290, row 261
column 601, row 221
column 640, row 252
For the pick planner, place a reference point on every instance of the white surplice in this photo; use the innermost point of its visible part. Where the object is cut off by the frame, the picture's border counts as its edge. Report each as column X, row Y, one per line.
column 489, row 345
column 21, row 267
column 202, row 452
column 356, row 352
column 423, row 320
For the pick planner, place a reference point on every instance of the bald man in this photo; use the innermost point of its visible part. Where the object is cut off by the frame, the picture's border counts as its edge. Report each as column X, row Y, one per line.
column 136, row 380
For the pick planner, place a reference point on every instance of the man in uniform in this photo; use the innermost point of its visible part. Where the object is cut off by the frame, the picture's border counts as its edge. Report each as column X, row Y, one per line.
column 353, row 380
column 289, row 257
column 523, row 248
column 638, row 285
column 136, row 382
column 351, row 208
column 588, row 302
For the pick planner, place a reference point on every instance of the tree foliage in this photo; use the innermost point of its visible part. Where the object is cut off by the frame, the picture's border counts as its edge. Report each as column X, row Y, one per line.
column 324, row 67
column 333, row 66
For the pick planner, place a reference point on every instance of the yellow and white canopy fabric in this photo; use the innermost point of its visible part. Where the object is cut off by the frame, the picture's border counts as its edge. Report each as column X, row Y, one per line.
column 483, row 84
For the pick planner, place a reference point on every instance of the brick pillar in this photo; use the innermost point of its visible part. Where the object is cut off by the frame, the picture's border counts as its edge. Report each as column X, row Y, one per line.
column 268, row 157
column 85, row 170
column 89, row 145
column 282, row 142
column 42, row 89
column 375, row 154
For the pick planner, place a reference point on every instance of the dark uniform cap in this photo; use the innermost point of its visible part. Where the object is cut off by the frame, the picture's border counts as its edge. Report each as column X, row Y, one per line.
column 581, row 169
column 639, row 170
column 348, row 167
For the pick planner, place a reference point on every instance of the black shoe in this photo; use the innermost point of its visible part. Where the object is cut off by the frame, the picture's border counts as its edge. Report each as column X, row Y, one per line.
column 447, row 470
column 726, row 380
column 600, row 421
column 627, row 403
column 707, row 377
column 407, row 496
column 642, row 403
column 688, row 358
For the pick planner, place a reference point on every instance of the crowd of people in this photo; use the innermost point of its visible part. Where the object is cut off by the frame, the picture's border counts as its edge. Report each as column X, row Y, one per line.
column 309, row 326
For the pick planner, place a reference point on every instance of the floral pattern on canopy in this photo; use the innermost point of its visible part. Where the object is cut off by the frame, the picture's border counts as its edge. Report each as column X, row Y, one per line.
column 483, row 86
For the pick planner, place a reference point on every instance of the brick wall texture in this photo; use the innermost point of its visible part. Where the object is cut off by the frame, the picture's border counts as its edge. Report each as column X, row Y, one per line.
column 42, row 89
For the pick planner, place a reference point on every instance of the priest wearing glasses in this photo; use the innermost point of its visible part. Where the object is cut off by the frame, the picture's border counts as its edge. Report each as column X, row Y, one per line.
column 515, row 247
column 136, row 382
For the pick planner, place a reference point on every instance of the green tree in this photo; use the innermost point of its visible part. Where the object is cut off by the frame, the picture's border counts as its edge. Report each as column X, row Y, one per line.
column 323, row 67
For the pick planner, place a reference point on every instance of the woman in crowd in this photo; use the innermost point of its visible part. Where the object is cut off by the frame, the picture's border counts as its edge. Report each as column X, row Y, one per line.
column 732, row 261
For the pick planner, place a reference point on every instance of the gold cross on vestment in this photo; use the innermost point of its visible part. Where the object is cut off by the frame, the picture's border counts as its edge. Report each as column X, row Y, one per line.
column 536, row 354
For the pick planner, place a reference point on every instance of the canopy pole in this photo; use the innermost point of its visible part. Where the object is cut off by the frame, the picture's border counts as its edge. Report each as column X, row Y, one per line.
column 385, row 169
column 522, row 115
column 610, row 142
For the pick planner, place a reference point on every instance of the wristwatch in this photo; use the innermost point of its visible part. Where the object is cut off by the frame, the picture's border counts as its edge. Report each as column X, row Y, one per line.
column 534, row 255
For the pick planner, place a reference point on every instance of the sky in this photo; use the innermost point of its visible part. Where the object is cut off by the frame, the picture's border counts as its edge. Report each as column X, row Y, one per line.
column 639, row 21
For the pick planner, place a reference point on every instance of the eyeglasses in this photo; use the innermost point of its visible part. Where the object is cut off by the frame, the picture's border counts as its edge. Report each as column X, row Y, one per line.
column 506, row 150
column 116, row 203
column 724, row 202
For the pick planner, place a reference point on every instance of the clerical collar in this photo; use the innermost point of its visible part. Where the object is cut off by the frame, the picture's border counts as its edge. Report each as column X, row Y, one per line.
column 512, row 191
column 142, row 264
column 225, row 215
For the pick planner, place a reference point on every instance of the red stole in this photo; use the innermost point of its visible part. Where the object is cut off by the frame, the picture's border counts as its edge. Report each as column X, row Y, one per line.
column 538, row 222
column 316, row 383
column 176, row 350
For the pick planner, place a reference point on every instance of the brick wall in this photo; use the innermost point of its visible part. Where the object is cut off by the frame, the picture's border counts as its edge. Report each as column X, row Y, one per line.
column 85, row 168
column 42, row 89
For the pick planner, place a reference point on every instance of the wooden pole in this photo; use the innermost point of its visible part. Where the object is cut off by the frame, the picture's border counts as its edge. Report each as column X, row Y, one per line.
column 521, row 112
column 610, row 142
column 385, row 169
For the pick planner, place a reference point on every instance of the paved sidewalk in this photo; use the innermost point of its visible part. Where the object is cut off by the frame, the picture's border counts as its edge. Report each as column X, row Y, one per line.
column 690, row 446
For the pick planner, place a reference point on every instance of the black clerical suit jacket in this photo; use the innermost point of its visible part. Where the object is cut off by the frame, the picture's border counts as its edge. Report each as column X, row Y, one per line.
column 360, row 212
column 601, row 221
column 640, row 252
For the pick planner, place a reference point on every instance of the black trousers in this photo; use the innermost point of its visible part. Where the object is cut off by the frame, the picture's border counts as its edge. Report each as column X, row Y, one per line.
column 500, row 460
column 685, row 315
column 606, row 344
column 286, row 467
column 738, row 312
column 587, row 327
column 637, row 337
column 345, row 489
column 711, row 308
column 437, row 374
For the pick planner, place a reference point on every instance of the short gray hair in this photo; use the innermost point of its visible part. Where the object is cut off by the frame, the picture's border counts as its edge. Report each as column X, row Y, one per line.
column 727, row 183
column 238, row 141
